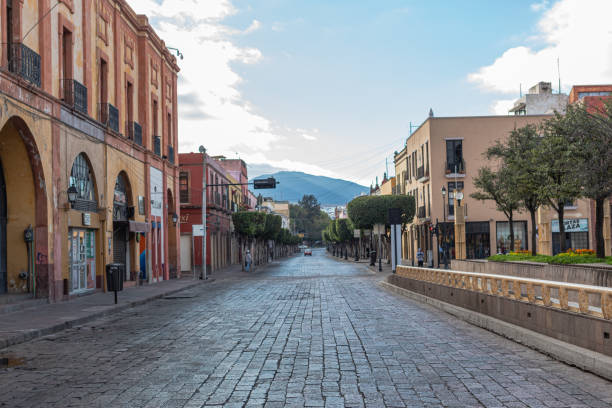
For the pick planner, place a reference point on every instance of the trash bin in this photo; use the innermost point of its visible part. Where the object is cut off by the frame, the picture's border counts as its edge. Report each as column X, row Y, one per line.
column 372, row 258
column 114, row 277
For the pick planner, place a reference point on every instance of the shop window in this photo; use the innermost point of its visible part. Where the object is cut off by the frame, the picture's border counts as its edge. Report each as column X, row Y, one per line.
column 81, row 177
column 477, row 239
column 503, row 236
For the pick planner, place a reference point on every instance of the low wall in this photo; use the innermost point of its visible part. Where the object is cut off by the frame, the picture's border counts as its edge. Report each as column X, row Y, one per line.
column 584, row 275
column 471, row 292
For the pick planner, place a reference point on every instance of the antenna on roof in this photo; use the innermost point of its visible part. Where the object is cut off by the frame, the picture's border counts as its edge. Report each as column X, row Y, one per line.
column 559, row 74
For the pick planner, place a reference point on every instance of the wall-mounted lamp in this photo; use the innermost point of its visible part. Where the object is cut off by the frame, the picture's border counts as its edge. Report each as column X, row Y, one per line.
column 174, row 218
column 72, row 194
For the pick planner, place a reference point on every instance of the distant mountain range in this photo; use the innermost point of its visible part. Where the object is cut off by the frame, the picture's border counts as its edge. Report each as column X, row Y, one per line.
column 329, row 191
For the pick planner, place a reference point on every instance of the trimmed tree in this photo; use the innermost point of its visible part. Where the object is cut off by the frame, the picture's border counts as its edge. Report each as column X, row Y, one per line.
column 520, row 154
column 500, row 187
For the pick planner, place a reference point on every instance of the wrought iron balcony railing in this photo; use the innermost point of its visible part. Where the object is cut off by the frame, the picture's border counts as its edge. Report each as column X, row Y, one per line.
column 134, row 132
column 109, row 116
column 74, row 94
column 157, row 145
column 24, row 62
column 171, row 154
column 455, row 167
column 421, row 213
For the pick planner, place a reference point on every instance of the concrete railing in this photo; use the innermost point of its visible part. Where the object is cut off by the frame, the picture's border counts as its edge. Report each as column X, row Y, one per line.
column 595, row 275
column 583, row 299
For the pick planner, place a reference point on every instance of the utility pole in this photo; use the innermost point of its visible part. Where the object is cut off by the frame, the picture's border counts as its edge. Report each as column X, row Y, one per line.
column 204, row 210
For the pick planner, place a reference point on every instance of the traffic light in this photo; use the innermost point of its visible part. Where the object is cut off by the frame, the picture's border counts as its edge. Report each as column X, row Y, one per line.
column 269, row 182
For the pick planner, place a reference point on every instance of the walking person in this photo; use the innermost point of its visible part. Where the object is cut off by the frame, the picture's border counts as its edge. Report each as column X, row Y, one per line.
column 248, row 260
column 420, row 257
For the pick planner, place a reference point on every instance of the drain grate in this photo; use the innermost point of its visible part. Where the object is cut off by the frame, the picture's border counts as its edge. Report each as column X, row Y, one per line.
column 8, row 362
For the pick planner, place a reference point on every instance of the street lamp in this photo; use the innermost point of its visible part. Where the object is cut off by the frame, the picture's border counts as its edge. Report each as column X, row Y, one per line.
column 174, row 218
column 444, row 243
column 204, row 272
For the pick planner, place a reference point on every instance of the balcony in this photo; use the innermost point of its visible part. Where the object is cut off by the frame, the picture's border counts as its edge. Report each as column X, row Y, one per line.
column 109, row 116
column 421, row 212
column 24, row 62
column 455, row 167
column 157, row 145
column 423, row 174
column 74, row 94
column 171, row 154
column 134, row 132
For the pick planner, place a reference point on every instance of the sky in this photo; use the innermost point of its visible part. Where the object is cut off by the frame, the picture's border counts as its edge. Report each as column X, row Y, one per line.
column 333, row 87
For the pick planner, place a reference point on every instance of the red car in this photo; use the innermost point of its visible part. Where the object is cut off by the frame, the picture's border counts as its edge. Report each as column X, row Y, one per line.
column 308, row 252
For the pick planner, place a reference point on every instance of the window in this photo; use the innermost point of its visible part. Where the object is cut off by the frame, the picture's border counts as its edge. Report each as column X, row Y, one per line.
column 155, row 119
column 503, row 236
column 81, row 178
column 454, row 156
column 103, row 85
column 599, row 93
column 184, row 187
column 426, row 159
column 66, row 57
column 169, row 120
column 451, row 187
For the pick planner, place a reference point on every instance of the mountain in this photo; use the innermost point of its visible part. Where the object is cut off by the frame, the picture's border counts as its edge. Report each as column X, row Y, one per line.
column 329, row 191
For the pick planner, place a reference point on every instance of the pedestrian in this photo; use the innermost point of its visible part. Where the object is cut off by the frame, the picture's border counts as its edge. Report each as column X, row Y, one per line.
column 248, row 260
column 420, row 257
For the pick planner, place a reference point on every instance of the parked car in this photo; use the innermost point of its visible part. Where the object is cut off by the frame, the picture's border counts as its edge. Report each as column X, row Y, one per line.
column 308, row 251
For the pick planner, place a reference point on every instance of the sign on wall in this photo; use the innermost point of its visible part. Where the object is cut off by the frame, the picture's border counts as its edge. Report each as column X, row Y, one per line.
column 572, row 225
column 197, row 230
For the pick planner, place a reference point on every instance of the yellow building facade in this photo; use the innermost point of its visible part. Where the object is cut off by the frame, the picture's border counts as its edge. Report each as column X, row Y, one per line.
column 87, row 148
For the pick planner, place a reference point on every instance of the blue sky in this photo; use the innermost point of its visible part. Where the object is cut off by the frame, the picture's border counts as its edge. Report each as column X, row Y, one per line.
column 330, row 87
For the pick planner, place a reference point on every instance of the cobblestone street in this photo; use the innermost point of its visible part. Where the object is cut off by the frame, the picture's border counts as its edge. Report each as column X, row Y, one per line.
column 307, row 331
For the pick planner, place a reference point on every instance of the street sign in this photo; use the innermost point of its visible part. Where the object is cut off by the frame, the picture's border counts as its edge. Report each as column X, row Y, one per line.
column 197, row 230
column 269, row 182
column 379, row 229
column 356, row 233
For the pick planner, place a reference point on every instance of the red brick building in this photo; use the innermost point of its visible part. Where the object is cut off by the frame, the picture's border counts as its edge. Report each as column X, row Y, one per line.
column 221, row 202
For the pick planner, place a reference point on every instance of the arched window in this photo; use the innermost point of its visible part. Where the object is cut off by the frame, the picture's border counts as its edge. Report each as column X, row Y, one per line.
column 81, row 177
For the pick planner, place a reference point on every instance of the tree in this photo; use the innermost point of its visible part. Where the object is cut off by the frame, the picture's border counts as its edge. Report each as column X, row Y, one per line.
column 307, row 217
column 365, row 211
column 559, row 165
column 500, row 187
column 520, row 154
column 589, row 129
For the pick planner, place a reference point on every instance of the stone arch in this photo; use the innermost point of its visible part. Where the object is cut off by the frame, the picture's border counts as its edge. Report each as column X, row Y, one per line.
column 27, row 206
column 82, row 171
column 124, row 240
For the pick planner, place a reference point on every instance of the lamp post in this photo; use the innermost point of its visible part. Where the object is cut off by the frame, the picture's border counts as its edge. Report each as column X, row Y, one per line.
column 203, row 151
column 445, row 244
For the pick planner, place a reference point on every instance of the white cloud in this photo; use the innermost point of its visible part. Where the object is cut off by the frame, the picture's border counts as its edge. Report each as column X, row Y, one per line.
column 255, row 25
column 308, row 137
column 575, row 31
column 539, row 6
column 212, row 110
column 500, row 107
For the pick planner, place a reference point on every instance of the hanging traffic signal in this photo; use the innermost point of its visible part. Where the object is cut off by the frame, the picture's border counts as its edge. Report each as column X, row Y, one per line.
column 269, row 182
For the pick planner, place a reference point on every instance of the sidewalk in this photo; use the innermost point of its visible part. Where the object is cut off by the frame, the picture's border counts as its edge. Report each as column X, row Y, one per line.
column 28, row 324
column 386, row 268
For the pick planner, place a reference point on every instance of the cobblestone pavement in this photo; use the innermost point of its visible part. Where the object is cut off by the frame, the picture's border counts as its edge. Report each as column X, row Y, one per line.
column 309, row 331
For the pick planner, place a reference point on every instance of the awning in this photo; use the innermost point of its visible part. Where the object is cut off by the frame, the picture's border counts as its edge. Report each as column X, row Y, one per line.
column 139, row 226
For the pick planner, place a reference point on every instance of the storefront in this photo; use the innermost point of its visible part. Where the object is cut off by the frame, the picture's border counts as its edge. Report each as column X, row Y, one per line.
column 576, row 234
column 121, row 232
column 446, row 241
column 477, row 237
column 502, row 229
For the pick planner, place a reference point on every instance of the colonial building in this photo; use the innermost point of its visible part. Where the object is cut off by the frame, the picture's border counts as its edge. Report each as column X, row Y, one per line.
column 446, row 153
column 87, row 148
column 221, row 201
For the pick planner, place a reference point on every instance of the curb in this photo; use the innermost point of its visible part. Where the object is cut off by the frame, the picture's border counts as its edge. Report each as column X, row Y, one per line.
column 36, row 333
column 587, row 360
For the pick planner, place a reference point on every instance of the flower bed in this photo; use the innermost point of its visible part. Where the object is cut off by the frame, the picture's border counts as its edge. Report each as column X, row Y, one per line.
column 571, row 256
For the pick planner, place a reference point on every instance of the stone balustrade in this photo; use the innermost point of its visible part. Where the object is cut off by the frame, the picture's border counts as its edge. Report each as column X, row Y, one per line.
column 589, row 300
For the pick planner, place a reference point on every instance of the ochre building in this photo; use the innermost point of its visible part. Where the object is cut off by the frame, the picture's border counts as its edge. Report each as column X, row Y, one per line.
column 88, row 133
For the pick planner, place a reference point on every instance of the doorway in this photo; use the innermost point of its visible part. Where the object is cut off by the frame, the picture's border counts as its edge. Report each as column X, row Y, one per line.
column 82, row 247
